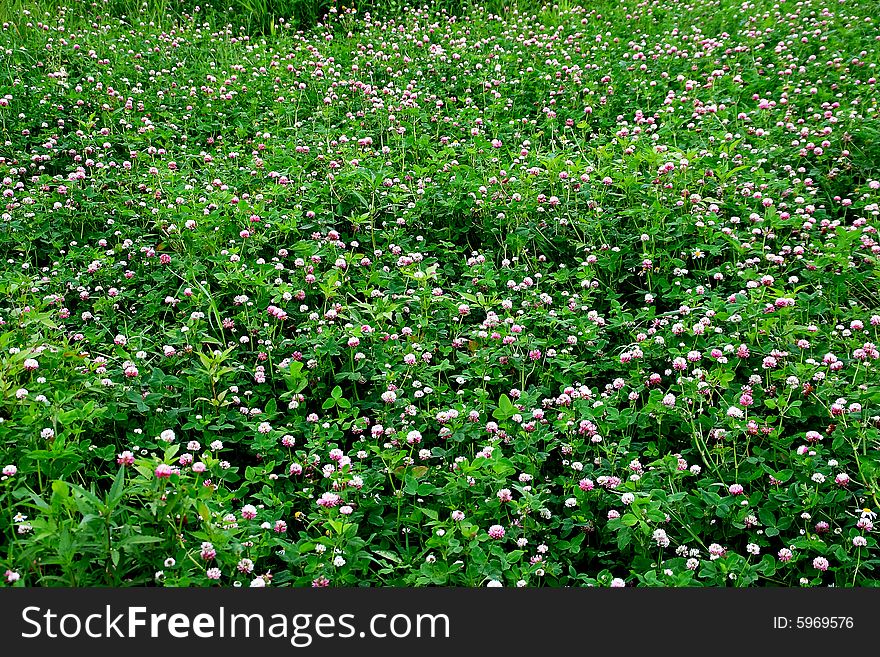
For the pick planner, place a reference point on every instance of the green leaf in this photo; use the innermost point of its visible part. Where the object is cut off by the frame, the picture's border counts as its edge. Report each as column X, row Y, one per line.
column 271, row 407
column 138, row 539
column 391, row 556
column 629, row 520
column 91, row 497
column 505, row 409
column 116, row 490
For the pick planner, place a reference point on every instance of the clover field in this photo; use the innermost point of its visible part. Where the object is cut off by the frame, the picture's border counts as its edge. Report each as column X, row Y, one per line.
column 538, row 295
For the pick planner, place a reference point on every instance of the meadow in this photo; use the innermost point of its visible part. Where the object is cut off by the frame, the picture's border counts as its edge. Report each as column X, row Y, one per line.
column 527, row 295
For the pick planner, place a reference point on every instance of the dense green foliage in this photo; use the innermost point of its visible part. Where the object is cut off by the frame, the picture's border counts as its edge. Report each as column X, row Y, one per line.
column 549, row 296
